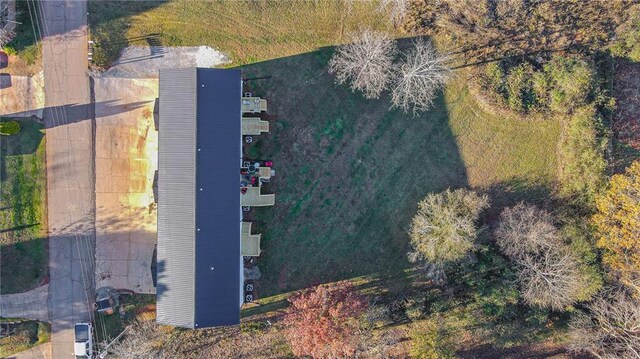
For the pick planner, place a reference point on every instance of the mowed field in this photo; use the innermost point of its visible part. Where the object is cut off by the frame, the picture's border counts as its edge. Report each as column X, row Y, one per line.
column 23, row 243
column 350, row 171
column 247, row 31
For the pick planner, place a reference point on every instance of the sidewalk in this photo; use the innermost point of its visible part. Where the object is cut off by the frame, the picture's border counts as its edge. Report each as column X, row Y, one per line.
column 42, row 351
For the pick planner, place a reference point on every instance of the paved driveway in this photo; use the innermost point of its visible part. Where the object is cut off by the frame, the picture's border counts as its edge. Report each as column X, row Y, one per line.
column 30, row 305
column 126, row 159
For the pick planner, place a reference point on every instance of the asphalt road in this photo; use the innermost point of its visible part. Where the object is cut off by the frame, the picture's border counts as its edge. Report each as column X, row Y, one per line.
column 70, row 169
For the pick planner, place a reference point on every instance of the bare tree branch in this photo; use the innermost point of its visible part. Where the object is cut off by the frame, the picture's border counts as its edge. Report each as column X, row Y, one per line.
column 611, row 330
column 144, row 339
column 422, row 74
column 549, row 274
column 366, row 63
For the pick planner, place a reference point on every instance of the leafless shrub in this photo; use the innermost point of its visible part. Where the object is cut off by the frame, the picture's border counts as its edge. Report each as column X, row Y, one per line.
column 366, row 63
column 421, row 75
column 397, row 10
column 611, row 330
column 549, row 274
column 5, row 37
column 143, row 339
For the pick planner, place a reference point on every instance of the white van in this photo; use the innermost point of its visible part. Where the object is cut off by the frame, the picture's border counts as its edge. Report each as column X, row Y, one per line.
column 83, row 346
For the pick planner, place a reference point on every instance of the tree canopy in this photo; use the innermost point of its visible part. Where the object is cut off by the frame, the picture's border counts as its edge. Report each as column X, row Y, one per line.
column 617, row 224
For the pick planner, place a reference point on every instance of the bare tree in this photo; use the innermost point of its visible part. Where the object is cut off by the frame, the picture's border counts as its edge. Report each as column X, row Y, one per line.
column 421, row 75
column 7, row 23
column 611, row 329
column 549, row 274
column 366, row 63
column 550, row 278
column 525, row 229
column 444, row 229
column 144, row 339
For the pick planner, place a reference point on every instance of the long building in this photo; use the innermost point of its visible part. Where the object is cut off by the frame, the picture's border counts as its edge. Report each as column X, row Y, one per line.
column 199, row 260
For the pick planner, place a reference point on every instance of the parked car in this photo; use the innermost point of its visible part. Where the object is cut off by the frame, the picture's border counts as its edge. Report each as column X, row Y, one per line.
column 83, row 346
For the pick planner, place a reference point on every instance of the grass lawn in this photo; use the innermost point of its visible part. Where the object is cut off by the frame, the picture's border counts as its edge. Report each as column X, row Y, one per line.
column 23, row 228
column 249, row 31
column 27, row 335
column 350, row 172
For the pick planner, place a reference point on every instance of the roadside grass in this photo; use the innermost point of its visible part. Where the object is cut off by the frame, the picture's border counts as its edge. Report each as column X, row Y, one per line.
column 141, row 306
column 248, row 31
column 27, row 335
column 23, row 227
column 25, row 54
column 350, row 172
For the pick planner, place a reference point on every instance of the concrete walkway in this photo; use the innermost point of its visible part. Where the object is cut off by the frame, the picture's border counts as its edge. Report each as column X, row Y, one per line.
column 42, row 351
column 27, row 305
column 70, row 170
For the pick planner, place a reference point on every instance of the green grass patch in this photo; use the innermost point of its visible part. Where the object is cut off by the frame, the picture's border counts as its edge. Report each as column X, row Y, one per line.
column 25, row 336
column 140, row 306
column 23, row 227
column 249, row 31
column 350, row 172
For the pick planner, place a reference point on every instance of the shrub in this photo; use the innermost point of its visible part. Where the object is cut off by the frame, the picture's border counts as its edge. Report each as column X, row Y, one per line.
column 627, row 43
column 571, row 85
column 561, row 85
column 431, row 341
column 9, row 128
column 9, row 50
column 322, row 321
column 582, row 156
column 495, row 77
column 520, row 94
column 444, row 229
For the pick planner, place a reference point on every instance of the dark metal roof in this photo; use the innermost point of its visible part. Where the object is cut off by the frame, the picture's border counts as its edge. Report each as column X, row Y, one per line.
column 199, row 198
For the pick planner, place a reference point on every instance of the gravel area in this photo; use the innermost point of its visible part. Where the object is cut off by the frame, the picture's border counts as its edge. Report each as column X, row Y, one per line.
column 144, row 62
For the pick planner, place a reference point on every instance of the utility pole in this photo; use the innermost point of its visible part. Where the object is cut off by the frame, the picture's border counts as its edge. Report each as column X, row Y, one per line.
column 104, row 353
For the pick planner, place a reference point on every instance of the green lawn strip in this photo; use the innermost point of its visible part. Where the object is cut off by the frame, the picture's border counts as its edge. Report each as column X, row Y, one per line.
column 27, row 335
column 247, row 31
column 23, row 216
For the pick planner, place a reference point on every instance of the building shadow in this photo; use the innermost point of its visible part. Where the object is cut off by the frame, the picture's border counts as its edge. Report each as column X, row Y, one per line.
column 5, row 81
column 56, row 116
